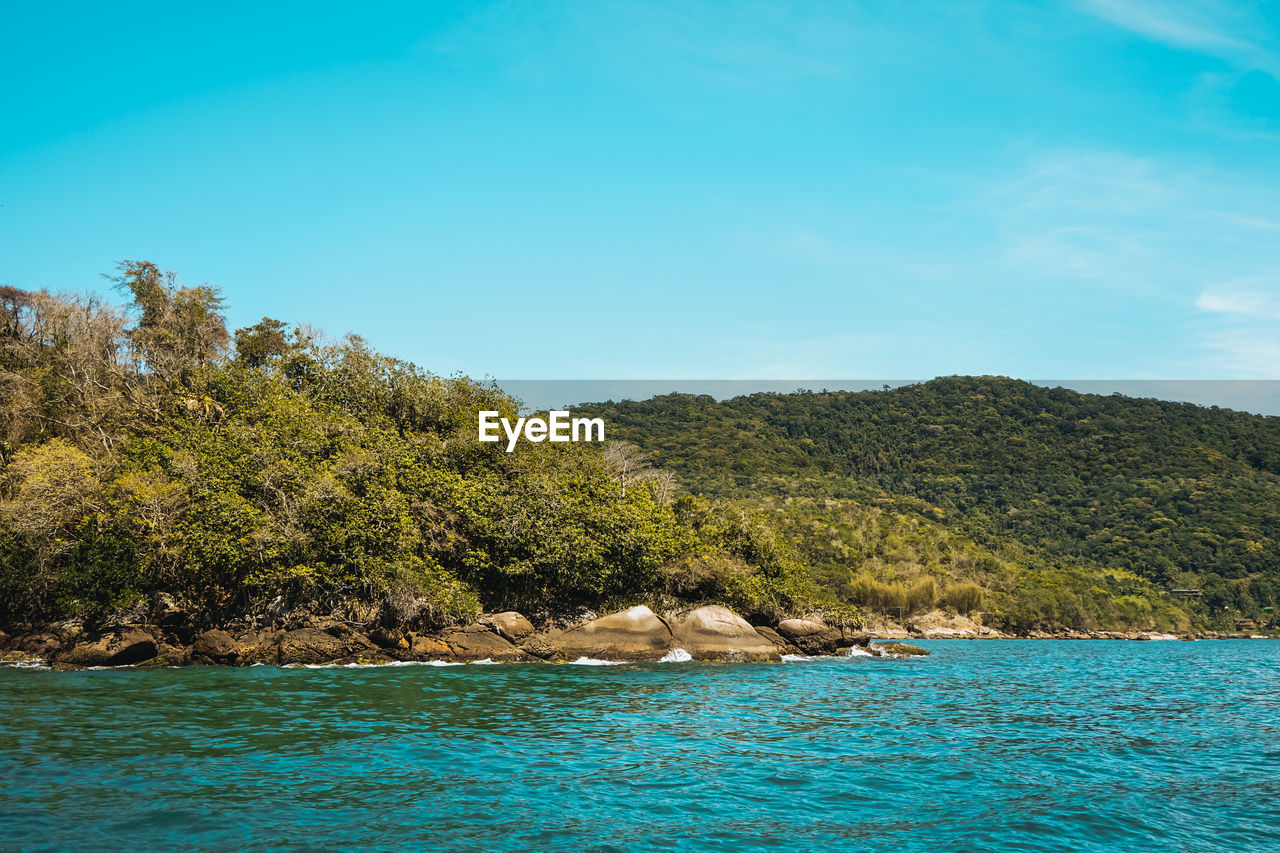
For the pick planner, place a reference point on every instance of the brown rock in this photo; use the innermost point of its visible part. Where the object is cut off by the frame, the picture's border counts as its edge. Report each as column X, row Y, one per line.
column 716, row 633
column 312, row 646
column 387, row 638
column 779, row 641
column 216, row 646
column 812, row 638
column 258, row 647
column 896, row 649
column 538, row 646
column 429, row 648
column 466, row 644
column 168, row 655
column 631, row 635
column 510, row 624
column 120, row 647
column 175, row 618
column 41, row 645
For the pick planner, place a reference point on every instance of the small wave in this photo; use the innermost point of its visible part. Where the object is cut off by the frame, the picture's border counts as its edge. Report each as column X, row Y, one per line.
column 33, row 663
column 859, row 652
column 420, row 663
column 486, row 661
column 800, row 658
column 586, row 661
column 676, row 656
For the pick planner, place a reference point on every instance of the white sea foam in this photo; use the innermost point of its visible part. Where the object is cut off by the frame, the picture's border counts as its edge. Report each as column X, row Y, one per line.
column 859, row 652
column 33, row 663
column 676, row 656
column 483, row 662
column 797, row 658
column 586, row 661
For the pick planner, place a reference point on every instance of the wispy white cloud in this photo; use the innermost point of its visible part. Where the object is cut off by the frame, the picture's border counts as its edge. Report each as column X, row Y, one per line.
column 1257, row 300
column 1242, row 334
column 1219, row 30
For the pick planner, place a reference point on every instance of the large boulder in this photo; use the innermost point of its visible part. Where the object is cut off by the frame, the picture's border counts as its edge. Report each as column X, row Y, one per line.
column 716, row 633
column 897, row 650
column 174, row 617
column 509, row 624
column 429, row 648
column 631, row 635
column 390, row 638
column 120, row 647
column 258, row 647
column 169, row 655
column 781, row 643
column 43, row 645
column 812, row 638
column 216, row 646
column 313, row 646
column 476, row 642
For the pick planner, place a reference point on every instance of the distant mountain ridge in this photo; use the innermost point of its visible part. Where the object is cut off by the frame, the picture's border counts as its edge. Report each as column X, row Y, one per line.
column 1181, row 495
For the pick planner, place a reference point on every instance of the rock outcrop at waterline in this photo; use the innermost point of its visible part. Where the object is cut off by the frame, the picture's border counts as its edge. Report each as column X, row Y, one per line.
column 710, row 633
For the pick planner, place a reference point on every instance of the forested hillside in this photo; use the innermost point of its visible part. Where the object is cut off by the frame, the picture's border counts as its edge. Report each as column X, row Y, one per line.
column 150, row 452
column 1179, row 496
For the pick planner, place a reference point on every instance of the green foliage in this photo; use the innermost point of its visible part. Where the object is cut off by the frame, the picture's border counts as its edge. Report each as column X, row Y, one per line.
column 1172, row 494
column 298, row 474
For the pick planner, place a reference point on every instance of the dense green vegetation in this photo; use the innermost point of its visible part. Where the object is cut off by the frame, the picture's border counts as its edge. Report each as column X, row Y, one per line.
column 1092, row 508
column 270, row 471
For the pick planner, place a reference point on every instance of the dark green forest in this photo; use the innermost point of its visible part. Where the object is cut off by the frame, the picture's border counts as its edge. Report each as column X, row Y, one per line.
column 150, row 451
column 1064, row 507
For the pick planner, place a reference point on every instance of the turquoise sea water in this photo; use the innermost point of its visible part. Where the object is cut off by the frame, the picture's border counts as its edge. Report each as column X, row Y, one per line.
column 995, row 745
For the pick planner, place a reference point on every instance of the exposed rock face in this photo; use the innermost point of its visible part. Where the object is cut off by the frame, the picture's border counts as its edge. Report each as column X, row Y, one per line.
column 258, row 647
column 311, row 645
column 173, row 617
column 117, row 648
column 780, row 642
column 388, row 638
column 43, row 645
column 638, row 635
column 812, row 638
column 717, row 633
column 215, row 646
column 632, row 635
column 429, row 648
column 939, row 623
column 510, row 625
column 896, row 649
column 476, row 642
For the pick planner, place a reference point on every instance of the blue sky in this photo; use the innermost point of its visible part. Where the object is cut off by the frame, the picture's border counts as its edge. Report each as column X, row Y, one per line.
column 634, row 190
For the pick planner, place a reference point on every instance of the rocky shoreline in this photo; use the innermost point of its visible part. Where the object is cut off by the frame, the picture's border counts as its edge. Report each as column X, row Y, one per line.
column 709, row 633
column 171, row 638
column 940, row 625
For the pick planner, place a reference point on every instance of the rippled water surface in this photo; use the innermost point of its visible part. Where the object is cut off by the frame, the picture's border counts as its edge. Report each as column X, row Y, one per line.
column 997, row 745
